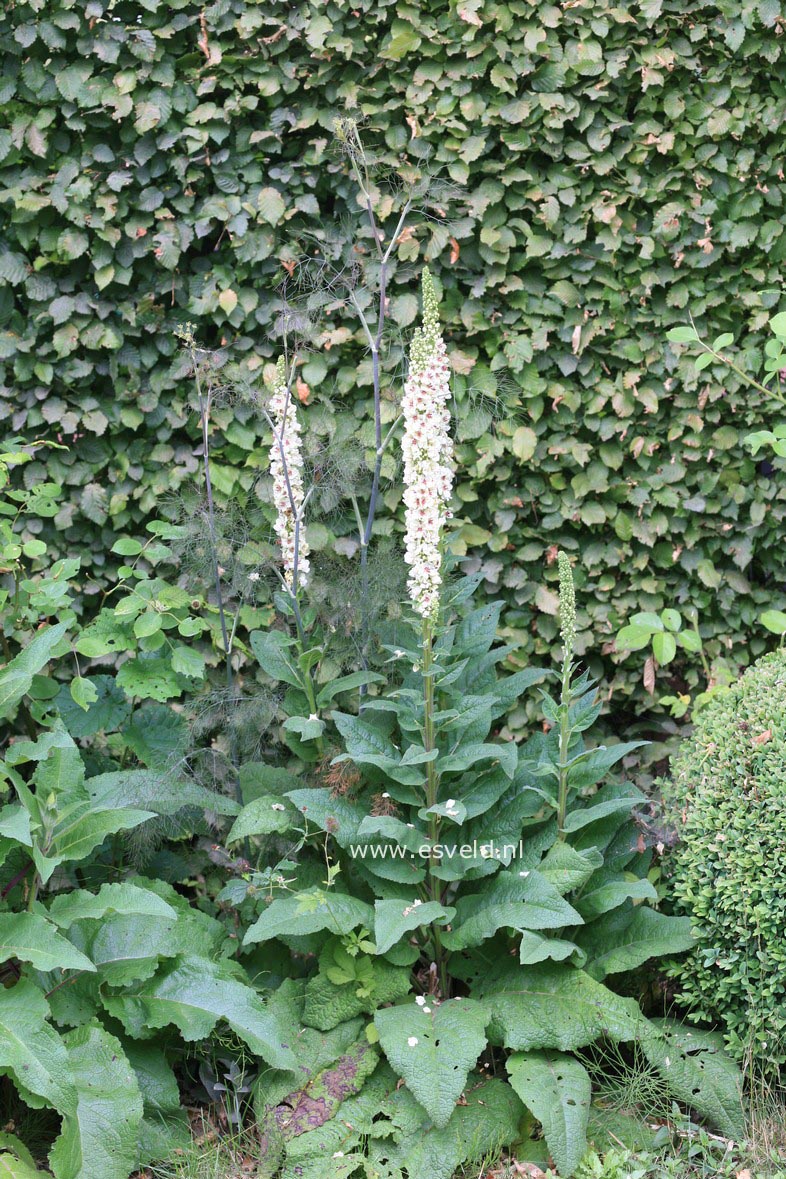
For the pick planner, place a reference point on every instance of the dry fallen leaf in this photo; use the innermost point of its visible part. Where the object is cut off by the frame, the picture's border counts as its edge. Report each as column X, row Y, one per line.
column 649, row 675
column 762, row 739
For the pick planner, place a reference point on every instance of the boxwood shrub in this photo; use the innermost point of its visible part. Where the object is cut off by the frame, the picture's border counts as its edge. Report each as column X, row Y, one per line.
column 728, row 795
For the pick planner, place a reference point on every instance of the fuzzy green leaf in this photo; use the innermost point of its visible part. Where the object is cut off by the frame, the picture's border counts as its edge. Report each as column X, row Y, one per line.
column 553, row 1005
column 123, row 897
column 291, row 917
column 698, row 1072
column 556, row 1087
column 623, row 939
column 195, row 994
column 433, row 1047
column 32, row 1051
column 100, row 1139
column 517, row 899
column 394, row 919
column 16, row 678
column 29, row 937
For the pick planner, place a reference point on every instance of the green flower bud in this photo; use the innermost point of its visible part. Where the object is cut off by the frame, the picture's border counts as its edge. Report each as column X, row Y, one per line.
column 567, row 604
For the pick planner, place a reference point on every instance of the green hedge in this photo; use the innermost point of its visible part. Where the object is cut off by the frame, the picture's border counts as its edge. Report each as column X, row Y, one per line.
column 620, row 166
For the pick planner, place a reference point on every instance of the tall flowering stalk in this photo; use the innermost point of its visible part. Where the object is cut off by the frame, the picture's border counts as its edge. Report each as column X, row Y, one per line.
column 428, row 452
column 428, row 480
column 567, row 627
column 286, row 467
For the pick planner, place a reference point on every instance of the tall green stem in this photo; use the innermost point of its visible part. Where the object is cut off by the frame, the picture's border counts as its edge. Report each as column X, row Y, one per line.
column 432, row 789
column 567, row 626
column 564, row 742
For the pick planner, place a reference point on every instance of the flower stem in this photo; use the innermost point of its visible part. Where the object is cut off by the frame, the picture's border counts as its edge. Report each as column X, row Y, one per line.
column 564, row 742
column 432, row 789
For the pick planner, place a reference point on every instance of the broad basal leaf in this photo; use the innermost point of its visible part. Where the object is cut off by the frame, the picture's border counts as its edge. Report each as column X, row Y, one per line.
column 165, row 1126
column 393, row 919
column 515, row 899
column 477, row 1130
column 291, row 917
column 698, row 1072
column 433, row 1047
column 100, row 1139
column 195, row 994
column 124, row 897
column 29, row 937
column 31, row 1050
column 623, row 939
column 554, row 1005
column 596, row 901
column 155, row 791
column 556, row 1087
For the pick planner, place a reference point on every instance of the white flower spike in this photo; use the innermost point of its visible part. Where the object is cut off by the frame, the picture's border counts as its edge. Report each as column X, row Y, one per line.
column 286, row 467
column 428, row 456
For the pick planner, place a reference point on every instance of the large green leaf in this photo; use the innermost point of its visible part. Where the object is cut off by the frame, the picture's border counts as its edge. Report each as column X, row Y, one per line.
column 556, row 1087
column 61, row 772
column 155, row 791
column 519, row 899
column 433, row 1047
column 698, row 1072
column 100, row 1139
column 195, row 994
column 594, row 902
column 276, row 656
column 12, row 1167
column 554, row 1005
column 31, row 1050
column 393, row 919
column 296, row 916
column 264, row 816
column 128, row 947
column 123, row 897
column 29, row 937
column 479, row 1129
column 165, row 1126
column 623, row 939
column 80, row 832
column 16, row 678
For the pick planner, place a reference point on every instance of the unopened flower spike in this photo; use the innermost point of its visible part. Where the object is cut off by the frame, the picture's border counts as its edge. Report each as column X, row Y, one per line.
column 567, row 605
column 428, row 454
column 286, row 467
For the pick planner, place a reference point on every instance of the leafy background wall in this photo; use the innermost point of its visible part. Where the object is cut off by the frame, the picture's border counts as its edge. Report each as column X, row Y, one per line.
column 165, row 161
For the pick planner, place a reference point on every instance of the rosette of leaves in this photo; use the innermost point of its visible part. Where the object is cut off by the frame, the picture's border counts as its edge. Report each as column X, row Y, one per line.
column 106, row 976
column 506, row 904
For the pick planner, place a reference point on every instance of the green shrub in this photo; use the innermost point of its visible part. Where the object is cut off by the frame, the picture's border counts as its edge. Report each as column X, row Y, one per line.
column 166, row 161
column 728, row 793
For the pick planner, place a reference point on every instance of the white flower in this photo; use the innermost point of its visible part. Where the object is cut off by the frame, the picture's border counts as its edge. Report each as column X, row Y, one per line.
column 427, row 451
column 427, row 1011
column 286, row 467
column 524, row 874
column 451, row 804
column 338, row 1154
column 412, row 1041
column 278, row 806
column 420, row 1000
